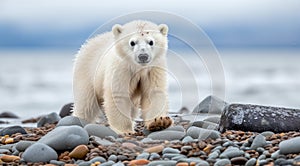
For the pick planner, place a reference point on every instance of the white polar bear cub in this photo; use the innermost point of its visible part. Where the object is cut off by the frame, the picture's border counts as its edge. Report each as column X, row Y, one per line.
column 124, row 73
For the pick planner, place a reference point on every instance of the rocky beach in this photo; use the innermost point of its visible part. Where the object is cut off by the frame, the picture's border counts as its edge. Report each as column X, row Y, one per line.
column 61, row 139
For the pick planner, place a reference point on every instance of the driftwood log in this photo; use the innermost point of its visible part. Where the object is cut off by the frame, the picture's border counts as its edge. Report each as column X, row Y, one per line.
column 258, row 118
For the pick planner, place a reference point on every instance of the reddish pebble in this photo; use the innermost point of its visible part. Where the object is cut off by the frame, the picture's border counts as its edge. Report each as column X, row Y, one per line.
column 9, row 158
column 79, row 152
column 182, row 164
column 155, row 149
column 138, row 162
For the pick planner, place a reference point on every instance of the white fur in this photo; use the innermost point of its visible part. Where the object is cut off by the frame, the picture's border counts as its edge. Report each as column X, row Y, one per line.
column 109, row 75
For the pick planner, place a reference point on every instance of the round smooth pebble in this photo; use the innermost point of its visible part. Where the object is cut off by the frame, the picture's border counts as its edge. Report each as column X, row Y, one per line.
column 39, row 152
column 175, row 128
column 5, row 151
column 238, row 160
column 143, row 155
column 232, row 152
column 71, row 120
column 154, row 156
column 200, row 133
column 213, row 119
column 290, row 146
column 65, row 137
column 48, row 119
column 259, row 141
column 59, row 163
column 170, row 150
column 108, row 163
column 79, row 152
column 187, row 139
column 251, row 162
column 222, row 162
column 205, row 125
column 113, row 158
column 166, row 135
column 23, row 145
column 162, row 162
column 12, row 130
column 99, row 131
column 101, row 141
column 99, row 158
column 118, row 164
column 267, row 133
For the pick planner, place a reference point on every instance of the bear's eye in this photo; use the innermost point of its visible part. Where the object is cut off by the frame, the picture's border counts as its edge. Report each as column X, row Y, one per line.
column 132, row 43
column 151, row 43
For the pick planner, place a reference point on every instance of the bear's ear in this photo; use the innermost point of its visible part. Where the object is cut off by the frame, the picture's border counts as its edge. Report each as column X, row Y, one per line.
column 117, row 29
column 163, row 28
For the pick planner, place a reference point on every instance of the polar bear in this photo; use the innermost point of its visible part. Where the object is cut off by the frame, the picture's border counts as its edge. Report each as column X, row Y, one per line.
column 124, row 73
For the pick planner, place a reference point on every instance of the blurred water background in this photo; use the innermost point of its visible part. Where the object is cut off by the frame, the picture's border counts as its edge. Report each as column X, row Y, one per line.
column 258, row 43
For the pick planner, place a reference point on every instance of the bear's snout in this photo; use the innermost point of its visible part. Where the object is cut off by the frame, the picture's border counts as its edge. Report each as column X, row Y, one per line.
column 144, row 58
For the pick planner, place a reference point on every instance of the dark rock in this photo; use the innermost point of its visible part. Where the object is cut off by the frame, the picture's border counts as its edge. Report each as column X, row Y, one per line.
column 290, row 146
column 205, row 125
column 71, row 120
column 9, row 115
column 65, row 137
column 48, row 119
column 66, row 110
column 184, row 110
column 100, row 131
column 251, row 162
column 238, row 161
column 39, row 152
column 12, row 130
column 257, row 118
column 210, row 104
column 202, row 134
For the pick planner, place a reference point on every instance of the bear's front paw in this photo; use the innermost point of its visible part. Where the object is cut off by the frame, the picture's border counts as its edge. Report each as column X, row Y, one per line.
column 159, row 123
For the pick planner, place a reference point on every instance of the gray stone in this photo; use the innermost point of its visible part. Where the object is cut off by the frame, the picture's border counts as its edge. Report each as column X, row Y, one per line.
column 154, row 156
column 23, row 145
column 202, row 163
column 65, row 137
column 108, row 163
column 144, row 155
column 85, row 163
column 213, row 155
column 200, row 133
column 48, row 119
column 262, row 162
column 222, row 162
column 267, row 133
column 186, row 148
column 71, row 120
column 170, row 150
column 113, row 158
column 9, row 115
column 232, row 152
column 118, row 164
column 146, row 140
column 290, row 146
column 101, row 141
column 179, row 157
column 251, row 162
column 99, row 130
column 213, row 119
column 187, row 139
column 171, row 155
column 166, row 135
column 210, row 104
column 259, row 141
column 162, row 162
column 58, row 163
column 39, row 152
column 98, row 158
column 205, row 125
column 175, row 128
column 5, row 151
column 8, row 146
column 193, row 159
column 12, row 130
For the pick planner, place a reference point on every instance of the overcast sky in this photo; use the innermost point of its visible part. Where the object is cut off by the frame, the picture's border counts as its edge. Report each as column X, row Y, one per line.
column 64, row 15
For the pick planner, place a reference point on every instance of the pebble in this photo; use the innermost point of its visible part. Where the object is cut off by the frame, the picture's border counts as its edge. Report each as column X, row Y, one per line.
column 239, row 160
column 210, row 104
column 251, row 162
column 154, row 156
column 23, row 145
column 232, row 152
column 101, row 141
column 170, row 150
column 113, row 158
column 118, row 164
column 175, row 128
column 9, row 158
column 222, row 162
column 79, row 152
column 200, row 133
column 98, row 158
column 12, row 130
column 275, row 155
column 71, row 120
column 58, row 163
column 187, row 139
column 213, row 119
column 290, row 146
column 9, row 115
column 262, row 162
column 138, row 162
column 39, row 152
column 171, row 155
column 144, row 155
column 162, row 162
column 108, row 163
column 166, row 135
column 267, row 133
column 65, row 137
column 99, row 131
column 259, row 141
column 205, row 125
column 48, row 119
column 155, row 149
column 5, row 151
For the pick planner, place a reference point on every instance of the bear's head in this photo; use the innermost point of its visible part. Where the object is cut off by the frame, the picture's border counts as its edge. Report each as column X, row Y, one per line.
column 141, row 41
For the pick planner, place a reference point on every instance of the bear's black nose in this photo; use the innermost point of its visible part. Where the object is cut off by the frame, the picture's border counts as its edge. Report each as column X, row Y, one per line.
column 143, row 57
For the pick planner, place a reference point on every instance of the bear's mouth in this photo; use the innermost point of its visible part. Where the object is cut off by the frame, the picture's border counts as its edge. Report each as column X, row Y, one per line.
column 143, row 59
